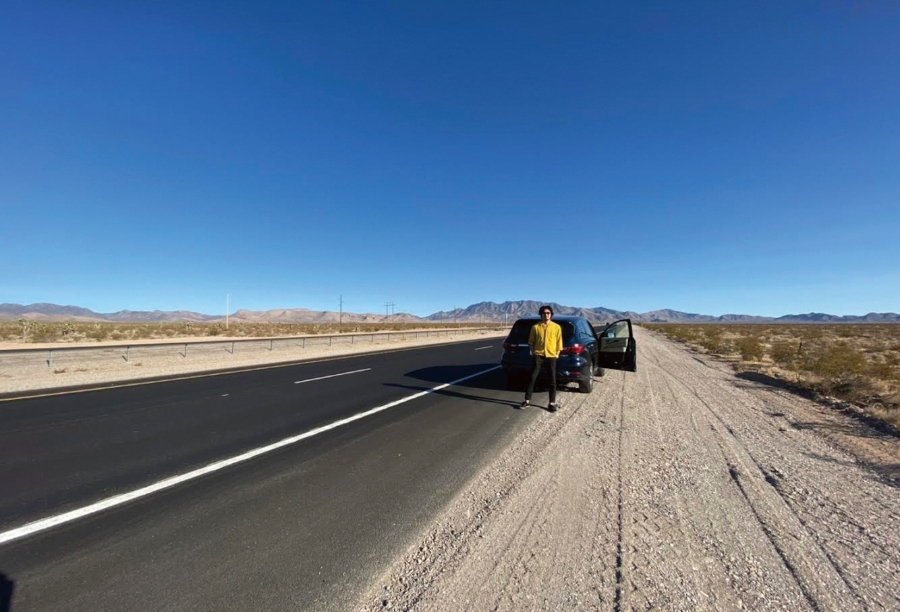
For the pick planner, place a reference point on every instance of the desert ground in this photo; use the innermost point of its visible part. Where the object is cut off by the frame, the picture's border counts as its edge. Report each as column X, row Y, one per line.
column 680, row 487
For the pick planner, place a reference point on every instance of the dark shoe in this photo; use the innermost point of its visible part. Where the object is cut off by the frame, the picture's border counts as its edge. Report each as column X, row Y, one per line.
column 553, row 407
column 523, row 405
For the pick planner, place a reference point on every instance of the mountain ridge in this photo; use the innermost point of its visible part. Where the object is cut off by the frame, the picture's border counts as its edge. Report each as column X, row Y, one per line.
column 487, row 312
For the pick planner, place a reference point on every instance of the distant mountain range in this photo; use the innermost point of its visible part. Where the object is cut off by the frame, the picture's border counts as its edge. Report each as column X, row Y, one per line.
column 483, row 311
column 491, row 311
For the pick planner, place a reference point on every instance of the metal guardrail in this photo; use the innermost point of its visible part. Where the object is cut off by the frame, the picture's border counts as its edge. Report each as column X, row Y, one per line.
column 127, row 351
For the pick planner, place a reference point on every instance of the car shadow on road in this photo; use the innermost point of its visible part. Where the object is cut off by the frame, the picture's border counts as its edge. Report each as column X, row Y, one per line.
column 457, row 394
column 491, row 381
column 7, row 587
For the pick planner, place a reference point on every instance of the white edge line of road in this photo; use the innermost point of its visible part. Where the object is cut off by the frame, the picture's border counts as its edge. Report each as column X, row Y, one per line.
column 481, row 348
column 300, row 382
column 117, row 500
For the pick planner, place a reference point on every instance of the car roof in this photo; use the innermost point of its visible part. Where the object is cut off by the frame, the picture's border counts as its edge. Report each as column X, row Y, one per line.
column 557, row 318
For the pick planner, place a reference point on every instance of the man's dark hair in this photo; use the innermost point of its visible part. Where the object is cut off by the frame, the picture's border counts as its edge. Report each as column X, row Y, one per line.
column 545, row 307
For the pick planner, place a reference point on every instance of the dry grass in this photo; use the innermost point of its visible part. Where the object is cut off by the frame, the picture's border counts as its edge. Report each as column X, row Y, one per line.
column 857, row 363
column 39, row 332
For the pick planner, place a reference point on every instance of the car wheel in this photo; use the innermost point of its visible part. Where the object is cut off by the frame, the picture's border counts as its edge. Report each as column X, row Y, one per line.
column 586, row 384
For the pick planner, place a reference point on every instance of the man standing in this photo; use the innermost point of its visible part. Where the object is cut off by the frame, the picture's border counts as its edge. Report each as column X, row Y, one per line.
column 545, row 341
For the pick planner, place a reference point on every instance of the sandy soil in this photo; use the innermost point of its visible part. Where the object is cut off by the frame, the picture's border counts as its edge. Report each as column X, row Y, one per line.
column 680, row 487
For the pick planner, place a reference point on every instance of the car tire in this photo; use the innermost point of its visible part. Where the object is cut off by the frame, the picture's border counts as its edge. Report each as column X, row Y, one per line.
column 586, row 384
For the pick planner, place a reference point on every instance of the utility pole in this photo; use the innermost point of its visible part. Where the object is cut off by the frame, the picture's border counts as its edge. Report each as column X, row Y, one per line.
column 227, row 299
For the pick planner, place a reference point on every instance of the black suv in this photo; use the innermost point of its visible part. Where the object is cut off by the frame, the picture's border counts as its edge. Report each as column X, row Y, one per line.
column 586, row 352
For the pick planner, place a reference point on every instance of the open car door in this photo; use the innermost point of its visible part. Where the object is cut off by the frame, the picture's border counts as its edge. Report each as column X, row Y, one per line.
column 618, row 350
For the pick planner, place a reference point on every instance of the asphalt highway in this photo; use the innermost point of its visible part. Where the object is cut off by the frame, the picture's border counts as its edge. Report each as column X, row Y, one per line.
column 304, row 526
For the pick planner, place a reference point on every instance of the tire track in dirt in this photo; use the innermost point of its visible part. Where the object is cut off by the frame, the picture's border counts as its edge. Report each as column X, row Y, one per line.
column 620, row 515
column 671, row 489
column 516, row 550
column 736, row 589
column 706, row 595
column 778, row 520
column 802, row 550
column 672, row 567
column 737, row 404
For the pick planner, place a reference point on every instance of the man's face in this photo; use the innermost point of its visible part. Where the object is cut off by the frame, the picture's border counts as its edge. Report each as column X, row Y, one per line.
column 545, row 315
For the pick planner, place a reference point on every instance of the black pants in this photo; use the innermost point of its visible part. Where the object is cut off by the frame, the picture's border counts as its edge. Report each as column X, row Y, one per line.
column 538, row 362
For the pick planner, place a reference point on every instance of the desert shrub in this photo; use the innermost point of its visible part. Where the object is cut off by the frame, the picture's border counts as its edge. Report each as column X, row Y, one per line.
column 712, row 332
column 811, row 332
column 750, row 348
column 715, row 344
column 846, row 331
column 142, row 331
column 784, row 352
column 839, row 361
column 680, row 333
column 10, row 331
column 854, row 388
column 884, row 371
column 887, row 413
column 96, row 332
column 31, row 331
column 42, row 332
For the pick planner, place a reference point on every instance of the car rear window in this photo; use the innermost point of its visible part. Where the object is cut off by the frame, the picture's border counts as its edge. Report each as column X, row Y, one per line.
column 521, row 329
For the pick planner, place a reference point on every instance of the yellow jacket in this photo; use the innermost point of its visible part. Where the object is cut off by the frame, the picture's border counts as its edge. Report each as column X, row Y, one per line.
column 545, row 339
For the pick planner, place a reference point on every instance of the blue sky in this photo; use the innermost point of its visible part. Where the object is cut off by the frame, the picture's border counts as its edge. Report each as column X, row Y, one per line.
column 709, row 157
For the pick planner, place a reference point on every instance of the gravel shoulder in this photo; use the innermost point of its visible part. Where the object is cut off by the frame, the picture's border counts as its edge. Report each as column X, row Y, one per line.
column 680, row 487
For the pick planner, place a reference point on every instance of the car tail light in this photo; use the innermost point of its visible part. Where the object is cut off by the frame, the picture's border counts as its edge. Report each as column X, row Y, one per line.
column 507, row 345
column 575, row 349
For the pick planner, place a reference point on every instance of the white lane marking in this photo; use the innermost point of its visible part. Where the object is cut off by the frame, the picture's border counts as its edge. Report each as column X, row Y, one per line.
column 298, row 382
column 290, row 364
column 481, row 348
column 118, row 500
